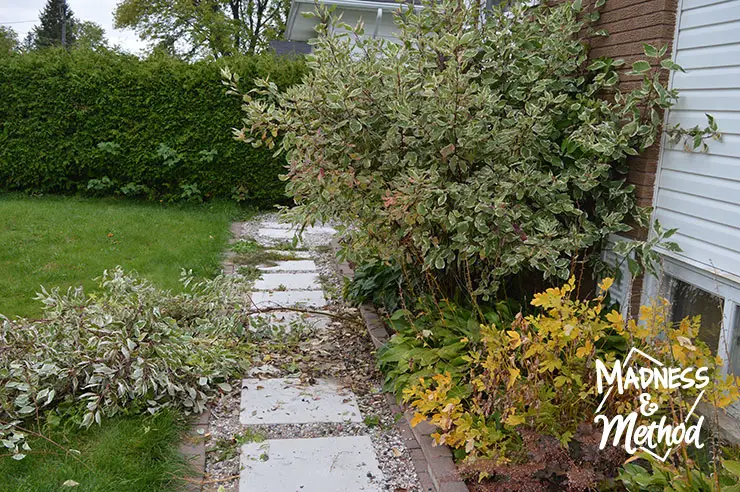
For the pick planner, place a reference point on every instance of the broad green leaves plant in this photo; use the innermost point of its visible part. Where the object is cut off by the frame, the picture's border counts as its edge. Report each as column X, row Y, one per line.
column 129, row 348
column 474, row 151
column 376, row 282
column 666, row 476
column 434, row 338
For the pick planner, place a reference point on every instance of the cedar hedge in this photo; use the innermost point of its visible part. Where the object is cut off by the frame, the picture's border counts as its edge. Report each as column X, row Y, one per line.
column 104, row 123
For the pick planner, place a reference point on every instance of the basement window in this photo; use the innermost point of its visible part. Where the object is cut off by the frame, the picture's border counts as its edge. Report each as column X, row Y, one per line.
column 690, row 301
column 734, row 365
column 693, row 289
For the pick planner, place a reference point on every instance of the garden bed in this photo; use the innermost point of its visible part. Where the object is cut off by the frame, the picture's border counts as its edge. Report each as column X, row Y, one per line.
column 488, row 383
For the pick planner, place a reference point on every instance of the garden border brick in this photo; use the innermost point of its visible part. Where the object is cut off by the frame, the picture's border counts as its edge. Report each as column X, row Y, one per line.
column 193, row 448
column 193, row 444
column 433, row 464
column 228, row 267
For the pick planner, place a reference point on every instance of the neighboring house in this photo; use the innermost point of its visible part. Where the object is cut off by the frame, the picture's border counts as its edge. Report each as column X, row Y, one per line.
column 377, row 16
column 698, row 193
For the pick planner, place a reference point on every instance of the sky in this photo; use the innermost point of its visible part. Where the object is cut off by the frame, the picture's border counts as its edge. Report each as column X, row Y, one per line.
column 98, row 11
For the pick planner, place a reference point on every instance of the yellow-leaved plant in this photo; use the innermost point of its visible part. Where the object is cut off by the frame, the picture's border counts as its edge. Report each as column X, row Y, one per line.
column 539, row 373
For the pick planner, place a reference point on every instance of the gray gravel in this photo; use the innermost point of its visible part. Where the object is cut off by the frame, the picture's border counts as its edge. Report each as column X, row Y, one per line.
column 342, row 351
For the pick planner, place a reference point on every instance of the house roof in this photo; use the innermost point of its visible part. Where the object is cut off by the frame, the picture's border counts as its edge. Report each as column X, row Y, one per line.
column 360, row 4
column 281, row 47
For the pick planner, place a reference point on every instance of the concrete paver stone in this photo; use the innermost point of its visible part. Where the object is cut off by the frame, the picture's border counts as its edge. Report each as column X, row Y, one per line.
column 285, row 281
column 289, row 401
column 288, row 298
column 324, row 464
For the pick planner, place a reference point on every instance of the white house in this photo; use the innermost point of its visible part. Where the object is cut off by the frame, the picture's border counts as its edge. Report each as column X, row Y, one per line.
column 377, row 16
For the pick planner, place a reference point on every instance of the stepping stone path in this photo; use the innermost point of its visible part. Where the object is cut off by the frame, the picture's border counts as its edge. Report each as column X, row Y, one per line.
column 321, row 464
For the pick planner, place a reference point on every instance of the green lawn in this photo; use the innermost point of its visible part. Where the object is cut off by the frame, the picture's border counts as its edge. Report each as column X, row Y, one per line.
column 124, row 454
column 62, row 241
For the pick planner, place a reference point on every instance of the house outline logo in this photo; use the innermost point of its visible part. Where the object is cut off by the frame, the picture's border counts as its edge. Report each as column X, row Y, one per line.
column 647, row 408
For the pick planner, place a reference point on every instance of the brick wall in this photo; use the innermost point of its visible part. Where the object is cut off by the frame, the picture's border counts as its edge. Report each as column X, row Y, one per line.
column 630, row 23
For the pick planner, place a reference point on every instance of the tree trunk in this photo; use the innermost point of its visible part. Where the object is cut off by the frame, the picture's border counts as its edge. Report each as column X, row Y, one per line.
column 236, row 15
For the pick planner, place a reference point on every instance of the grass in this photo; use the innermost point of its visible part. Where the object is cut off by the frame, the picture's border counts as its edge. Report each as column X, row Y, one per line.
column 131, row 454
column 250, row 253
column 227, row 448
column 63, row 241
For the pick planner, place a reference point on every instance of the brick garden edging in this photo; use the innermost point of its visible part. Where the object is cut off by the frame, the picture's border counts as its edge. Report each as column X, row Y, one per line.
column 433, row 464
column 193, row 448
column 193, row 445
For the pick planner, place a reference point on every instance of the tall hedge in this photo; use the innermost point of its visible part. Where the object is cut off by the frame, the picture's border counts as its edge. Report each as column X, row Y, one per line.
column 104, row 123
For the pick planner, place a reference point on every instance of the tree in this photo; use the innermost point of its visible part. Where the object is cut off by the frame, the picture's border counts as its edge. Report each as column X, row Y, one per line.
column 90, row 36
column 29, row 43
column 57, row 26
column 480, row 153
column 203, row 28
column 8, row 40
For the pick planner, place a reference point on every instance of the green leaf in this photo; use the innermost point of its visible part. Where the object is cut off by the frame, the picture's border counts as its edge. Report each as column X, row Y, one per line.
column 671, row 65
column 597, row 65
column 640, row 67
column 467, row 37
column 630, row 128
column 712, row 122
column 649, row 50
column 732, row 467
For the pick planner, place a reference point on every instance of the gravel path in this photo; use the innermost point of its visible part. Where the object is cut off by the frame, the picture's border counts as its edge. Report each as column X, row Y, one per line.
column 337, row 352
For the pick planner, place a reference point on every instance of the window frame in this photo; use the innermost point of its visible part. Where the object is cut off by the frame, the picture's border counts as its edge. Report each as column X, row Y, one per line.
column 707, row 281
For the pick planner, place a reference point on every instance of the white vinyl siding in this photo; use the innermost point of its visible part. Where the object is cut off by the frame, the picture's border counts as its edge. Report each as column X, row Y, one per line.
column 700, row 193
